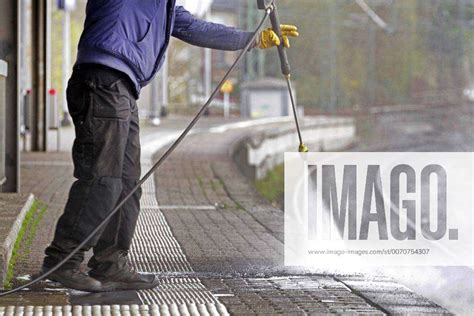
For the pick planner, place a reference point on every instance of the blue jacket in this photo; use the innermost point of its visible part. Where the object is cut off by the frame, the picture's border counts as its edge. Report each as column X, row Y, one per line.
column 132, row 35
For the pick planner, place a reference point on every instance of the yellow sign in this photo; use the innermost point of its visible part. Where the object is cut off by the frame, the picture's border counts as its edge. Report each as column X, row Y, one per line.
column 227, row 87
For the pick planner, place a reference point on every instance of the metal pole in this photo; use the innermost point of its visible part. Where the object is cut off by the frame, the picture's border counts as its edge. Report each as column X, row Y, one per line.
column 333, row 53
column 24, row 110
column 164, row 88
column 26, row 117
column 371, row 68
column 66, row 63
column 39, row 75
column 58, row 124
column 261, row 63
column 466, row 73
column 154, row 114
column 250, row 58
column 261, row 56
column 371, row 13
column 226, row 105
column 46, row 69
column 207, row 68
column 53, row 116
column 34, row 128
column 207, row 72
column 23, row 46
column 322, row 66
column 3, row 76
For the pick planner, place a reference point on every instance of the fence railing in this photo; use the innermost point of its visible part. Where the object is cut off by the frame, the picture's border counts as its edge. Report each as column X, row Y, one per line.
column 3, row 76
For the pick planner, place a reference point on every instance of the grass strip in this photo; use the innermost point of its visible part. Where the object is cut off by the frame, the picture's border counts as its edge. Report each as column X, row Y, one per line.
column 42, row 207
column 272, row 187
column 28, row 226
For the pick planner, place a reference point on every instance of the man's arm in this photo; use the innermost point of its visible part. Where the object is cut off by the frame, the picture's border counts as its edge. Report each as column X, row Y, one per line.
column 207, row 34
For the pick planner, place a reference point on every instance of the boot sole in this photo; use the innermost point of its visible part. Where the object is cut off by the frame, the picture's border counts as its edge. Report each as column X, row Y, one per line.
column 74, row 286
column 111, row 286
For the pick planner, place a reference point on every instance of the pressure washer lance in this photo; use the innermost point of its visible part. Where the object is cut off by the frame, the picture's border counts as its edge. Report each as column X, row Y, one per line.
column 285, row 64
column 268, row 11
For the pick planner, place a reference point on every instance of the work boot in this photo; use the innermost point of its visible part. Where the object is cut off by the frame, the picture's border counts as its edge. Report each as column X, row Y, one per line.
column 120, row 276
column 76, row 280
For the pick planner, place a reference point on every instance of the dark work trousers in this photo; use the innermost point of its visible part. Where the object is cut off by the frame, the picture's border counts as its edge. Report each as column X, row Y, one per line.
column 106, row 156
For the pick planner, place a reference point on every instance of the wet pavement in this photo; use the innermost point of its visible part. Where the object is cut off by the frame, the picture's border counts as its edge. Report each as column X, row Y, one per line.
column 217, row 244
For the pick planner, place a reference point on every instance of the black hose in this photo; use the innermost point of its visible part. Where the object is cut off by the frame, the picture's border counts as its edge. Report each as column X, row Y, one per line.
column 155, row 166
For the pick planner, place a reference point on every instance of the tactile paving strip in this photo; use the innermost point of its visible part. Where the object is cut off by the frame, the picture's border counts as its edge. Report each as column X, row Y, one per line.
column 112, row 310
column 155, row 249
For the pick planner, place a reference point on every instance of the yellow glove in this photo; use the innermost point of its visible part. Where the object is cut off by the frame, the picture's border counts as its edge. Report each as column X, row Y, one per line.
column 268, row 38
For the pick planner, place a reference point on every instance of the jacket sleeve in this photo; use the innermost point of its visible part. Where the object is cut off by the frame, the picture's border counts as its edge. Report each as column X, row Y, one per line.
column 206, row 34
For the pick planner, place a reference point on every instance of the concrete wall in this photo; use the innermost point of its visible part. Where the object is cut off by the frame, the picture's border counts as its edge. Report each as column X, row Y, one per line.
column 263, row 151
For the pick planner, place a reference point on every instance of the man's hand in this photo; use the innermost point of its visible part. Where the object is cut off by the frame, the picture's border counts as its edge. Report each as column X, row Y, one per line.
column 268, row 38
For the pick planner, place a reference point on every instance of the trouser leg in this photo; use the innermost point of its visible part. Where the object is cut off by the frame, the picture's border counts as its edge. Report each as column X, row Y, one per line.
column 101, row 110
column 118, row 235
column 131, row 176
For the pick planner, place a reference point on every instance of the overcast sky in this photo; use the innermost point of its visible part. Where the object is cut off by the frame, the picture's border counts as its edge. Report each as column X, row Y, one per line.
column 198, row 7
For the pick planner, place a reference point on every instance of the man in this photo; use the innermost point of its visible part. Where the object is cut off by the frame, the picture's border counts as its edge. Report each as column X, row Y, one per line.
column 121, row 49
